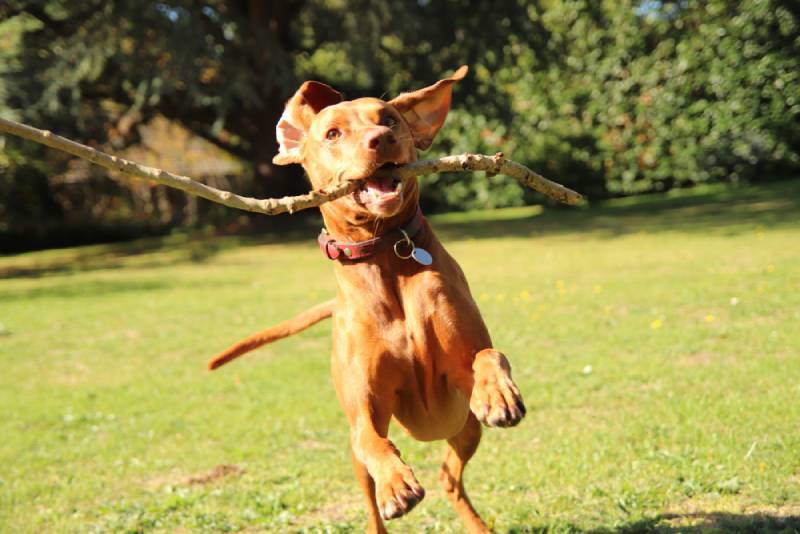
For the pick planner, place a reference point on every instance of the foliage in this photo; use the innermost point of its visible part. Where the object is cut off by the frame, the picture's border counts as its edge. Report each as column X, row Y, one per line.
column 669, row 94
column 658, row 381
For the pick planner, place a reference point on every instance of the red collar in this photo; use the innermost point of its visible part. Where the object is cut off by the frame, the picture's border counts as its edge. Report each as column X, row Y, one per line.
column 338, row 250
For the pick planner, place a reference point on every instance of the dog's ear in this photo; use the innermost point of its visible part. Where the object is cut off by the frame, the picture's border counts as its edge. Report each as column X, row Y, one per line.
column 310, row 99
column 426, row 109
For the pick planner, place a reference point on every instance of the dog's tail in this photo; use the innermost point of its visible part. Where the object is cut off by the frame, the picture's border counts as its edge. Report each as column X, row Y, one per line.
column 279, row 331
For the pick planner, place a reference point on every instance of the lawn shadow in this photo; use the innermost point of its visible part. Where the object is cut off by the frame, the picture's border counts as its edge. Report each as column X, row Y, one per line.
column 70, row 288
column 114, row 256
column 685, row 523
column 154, row 252
column 724, row 211
column 721, row 210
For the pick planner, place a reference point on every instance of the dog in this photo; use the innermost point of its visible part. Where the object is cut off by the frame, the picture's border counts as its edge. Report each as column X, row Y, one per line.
column 409, row 342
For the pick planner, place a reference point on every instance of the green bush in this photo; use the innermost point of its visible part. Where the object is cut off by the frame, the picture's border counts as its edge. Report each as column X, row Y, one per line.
column 631, row 98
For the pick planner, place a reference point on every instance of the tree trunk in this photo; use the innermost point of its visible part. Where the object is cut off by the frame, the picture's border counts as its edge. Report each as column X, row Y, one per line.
column 272, row 180
column 273, row 17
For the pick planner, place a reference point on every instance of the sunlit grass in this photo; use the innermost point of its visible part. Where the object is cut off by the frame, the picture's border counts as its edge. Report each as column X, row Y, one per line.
column 655, row 341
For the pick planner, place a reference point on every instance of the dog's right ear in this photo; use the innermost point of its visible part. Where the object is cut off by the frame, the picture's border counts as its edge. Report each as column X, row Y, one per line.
column 310, row 99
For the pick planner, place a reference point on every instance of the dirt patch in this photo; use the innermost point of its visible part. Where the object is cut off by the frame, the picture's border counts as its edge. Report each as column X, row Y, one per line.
column 337, row 512
column 316, row 445
column 698, row 358
column 219, row 472
column 786, row 510
column 704, row 358
column 734, row 514
column 175, row 478
column 734, row 503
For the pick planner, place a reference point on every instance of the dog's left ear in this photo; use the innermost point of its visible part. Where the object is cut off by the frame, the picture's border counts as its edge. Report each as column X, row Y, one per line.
column 426, row 109
column 310, row 99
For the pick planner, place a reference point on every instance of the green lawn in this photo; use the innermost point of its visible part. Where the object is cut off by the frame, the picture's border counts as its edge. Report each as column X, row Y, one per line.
column 656, row 341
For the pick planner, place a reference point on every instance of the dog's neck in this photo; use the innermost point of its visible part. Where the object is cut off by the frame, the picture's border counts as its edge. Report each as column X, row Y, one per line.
column 346, row 225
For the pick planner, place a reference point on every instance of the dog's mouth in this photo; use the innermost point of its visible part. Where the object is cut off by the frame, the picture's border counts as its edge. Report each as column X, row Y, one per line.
column 380, row 191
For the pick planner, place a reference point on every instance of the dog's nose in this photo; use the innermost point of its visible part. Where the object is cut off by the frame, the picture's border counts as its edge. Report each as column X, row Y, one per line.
column 378, row 137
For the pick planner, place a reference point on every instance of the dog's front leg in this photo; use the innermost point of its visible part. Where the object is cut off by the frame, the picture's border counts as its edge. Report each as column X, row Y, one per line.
column 374, row 522
column 495, row 398
column 368, row 402
column 396, row 488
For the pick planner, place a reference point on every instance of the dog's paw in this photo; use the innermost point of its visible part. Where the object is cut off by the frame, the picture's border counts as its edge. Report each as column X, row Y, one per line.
column 397, row 491
column 496, row 400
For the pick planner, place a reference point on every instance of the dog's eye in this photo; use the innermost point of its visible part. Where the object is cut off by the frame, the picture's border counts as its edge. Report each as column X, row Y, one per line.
column 389, row 121
column 333, row 133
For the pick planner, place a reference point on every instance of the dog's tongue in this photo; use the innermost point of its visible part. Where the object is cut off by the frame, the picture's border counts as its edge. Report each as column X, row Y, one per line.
column 382, row 185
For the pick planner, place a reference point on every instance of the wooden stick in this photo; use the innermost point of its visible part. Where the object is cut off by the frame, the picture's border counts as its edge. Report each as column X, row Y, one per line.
column 496, row 164
column 273, row 206
column 267, row 206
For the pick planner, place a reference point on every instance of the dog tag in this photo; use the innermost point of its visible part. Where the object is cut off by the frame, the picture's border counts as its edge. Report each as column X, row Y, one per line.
column 422, row 256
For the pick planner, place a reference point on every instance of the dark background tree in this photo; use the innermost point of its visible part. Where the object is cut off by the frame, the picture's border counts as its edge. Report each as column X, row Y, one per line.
column 610, row 98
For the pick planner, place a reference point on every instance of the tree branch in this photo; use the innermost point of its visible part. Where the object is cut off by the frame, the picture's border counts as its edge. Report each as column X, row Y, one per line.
column 273, row 206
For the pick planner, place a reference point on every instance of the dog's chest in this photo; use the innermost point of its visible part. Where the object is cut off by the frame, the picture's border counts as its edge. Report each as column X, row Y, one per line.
column 411, row 317
column 410, row 312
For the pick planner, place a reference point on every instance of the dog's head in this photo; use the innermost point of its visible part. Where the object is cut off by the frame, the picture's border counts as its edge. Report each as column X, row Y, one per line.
column 338, row 140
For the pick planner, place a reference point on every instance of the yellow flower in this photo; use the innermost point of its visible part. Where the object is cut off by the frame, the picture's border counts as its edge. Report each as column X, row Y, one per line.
column 596, row 289
column 525, row 295
column 655, row 324
column 709, row 318
column 484, row 297
column 500, row 297
column 770, row 268
column 561, row 287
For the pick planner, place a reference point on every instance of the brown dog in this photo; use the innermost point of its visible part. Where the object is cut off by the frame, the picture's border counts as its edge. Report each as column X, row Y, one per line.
column 408, row 340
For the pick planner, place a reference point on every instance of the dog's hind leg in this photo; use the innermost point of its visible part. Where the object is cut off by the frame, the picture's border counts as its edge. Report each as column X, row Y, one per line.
column 374, row 521
column 460, row 449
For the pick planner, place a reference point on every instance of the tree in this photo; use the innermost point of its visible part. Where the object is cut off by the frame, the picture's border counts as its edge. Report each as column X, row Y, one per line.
column 608, row 97
column 97, row 69
column 653, row 95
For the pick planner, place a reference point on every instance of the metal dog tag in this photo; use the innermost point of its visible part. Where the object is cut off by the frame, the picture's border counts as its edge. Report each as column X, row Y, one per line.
column 421, row 256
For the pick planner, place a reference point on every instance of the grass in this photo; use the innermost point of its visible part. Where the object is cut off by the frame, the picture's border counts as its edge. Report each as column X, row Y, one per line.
column 655, row 339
